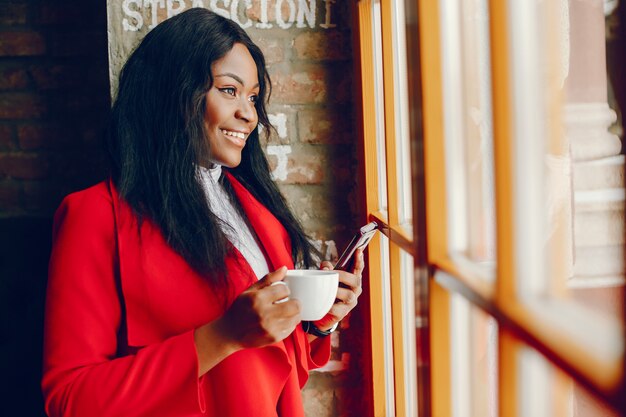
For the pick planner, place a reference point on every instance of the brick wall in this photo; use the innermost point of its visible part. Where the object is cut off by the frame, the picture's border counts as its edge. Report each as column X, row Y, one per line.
column 53, row 102
column 308, row 47
column 53, row 99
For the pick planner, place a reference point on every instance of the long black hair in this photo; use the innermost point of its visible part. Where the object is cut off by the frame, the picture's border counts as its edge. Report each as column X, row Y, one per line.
column 157, row 139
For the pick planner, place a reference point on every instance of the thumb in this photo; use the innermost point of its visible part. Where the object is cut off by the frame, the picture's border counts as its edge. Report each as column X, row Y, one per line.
column 272, row 277
column 327, row 265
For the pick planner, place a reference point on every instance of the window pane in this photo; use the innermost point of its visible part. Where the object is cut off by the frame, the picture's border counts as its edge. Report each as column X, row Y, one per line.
column 568, row 181
column 584, row 404
column 474, row 360
column 538, row 389
column 409, row 329
column 547, row 391
column 468, row 128
column 380, row 107
column 403, row 152
column 385, row 275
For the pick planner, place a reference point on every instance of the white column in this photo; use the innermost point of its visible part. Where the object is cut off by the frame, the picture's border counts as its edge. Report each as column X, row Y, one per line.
column 598, row 167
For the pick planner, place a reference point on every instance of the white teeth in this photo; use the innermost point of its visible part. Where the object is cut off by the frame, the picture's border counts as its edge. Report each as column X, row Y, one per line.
column 234, row 134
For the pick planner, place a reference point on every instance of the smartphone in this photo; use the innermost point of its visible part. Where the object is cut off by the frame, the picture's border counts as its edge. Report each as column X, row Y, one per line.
column 359, row 241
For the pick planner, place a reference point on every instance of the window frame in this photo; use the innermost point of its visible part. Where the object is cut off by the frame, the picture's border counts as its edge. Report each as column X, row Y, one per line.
column 437, row 273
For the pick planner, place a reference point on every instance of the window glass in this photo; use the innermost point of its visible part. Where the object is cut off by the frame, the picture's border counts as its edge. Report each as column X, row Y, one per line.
column 408, row 277
column 538, row 389
column 583, row 404
column 403, row 151
column 548, row 391
column 380, row 107
column 568, row 178
column 468, row 129
column 478, row 130
column 387, row 317
column 474, row 344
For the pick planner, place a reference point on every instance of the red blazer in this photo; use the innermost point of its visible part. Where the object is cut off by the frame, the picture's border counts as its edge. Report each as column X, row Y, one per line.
column 121, row 309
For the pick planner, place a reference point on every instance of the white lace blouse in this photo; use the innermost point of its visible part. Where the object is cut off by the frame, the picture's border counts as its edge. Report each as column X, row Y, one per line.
column 233, row 225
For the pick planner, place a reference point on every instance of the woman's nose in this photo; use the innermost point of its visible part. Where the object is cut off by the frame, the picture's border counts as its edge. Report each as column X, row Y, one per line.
column 247, row 111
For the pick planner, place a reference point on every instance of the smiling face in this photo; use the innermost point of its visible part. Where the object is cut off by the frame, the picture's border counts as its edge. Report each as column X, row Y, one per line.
column 230, row 114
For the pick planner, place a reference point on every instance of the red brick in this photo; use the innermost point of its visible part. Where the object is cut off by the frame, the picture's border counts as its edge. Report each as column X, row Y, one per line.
column 13, row 79
column 21, row 44
column 10, row 193
column 304, row 166
column 254, row 13
column 13, row 14
column 24, row 165
column 325, row 126
column 272, row 48
column 283, row 118
column 7, row 137
column 32, row 137
column 312, row 204
column 21, row 106
column 326, row 45
column 311, row 84
column 300, row 86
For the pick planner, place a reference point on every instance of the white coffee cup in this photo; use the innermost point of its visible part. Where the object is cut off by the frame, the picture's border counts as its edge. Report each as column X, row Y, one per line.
column 316, row 290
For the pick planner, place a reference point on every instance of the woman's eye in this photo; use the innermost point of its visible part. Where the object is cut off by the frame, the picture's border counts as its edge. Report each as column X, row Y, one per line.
column 228, row 90
column 254, row 99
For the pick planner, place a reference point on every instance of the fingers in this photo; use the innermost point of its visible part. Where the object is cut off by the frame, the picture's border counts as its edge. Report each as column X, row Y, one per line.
column 273, row 277
column 281, row 300
column 348, row 292
column 256, row 319
column 351, row 281
column 348, row 296
column 269, row 279
column 327, row 265
column 359, row 262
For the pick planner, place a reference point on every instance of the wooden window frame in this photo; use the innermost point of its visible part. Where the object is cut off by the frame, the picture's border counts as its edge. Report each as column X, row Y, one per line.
column 437, row 273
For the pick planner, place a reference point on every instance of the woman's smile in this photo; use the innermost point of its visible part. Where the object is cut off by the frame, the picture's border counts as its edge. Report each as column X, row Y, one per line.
column 238, row 138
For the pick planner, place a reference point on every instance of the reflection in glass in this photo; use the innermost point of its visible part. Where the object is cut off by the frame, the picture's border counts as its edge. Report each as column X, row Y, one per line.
column 597, row 275
column 568, row 180
column 569, row 172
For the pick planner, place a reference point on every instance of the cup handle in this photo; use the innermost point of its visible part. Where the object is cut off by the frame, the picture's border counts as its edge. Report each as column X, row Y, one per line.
column 282, row 300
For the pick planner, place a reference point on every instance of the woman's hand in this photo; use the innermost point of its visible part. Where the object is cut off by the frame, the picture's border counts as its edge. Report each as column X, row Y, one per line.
column 257, row 317
column 347, row 294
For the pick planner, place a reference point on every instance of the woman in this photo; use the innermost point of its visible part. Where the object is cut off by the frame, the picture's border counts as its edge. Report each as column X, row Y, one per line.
column 159, row 299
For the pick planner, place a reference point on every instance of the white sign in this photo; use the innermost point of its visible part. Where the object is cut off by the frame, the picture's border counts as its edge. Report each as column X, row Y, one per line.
column 289, row 13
